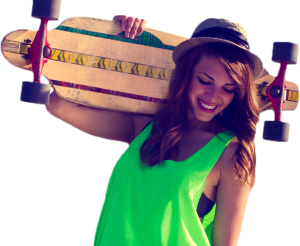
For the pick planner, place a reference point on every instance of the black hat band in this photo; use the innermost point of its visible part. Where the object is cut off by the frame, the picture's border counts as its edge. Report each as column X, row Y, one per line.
column 225, row 34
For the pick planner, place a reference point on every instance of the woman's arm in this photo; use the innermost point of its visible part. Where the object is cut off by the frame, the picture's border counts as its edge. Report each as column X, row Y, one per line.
column 231, row 202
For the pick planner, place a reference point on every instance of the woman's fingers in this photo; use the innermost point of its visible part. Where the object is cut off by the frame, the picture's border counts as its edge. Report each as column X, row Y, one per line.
column 123, row 21
column 141, row 27
column 130, row 25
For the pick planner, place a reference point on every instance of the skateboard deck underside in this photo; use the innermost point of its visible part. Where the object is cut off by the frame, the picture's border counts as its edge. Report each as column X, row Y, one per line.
column 94, row 65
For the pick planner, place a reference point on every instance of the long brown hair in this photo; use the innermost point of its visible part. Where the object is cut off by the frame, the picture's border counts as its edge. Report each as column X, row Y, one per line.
column 240, row 116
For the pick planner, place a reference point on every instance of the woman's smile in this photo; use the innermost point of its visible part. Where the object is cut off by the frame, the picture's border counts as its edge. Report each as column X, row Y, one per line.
column 206, row 107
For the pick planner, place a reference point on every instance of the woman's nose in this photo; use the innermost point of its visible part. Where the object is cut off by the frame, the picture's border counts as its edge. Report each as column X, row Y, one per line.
column 212, row 94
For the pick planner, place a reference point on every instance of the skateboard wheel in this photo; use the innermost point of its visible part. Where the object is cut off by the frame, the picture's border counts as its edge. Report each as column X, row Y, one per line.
column 285, row 52
column 34, row 92
column 276, row 131
column 46, row 8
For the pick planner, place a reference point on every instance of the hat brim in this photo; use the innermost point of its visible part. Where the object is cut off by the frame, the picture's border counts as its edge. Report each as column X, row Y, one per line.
column 185, row 46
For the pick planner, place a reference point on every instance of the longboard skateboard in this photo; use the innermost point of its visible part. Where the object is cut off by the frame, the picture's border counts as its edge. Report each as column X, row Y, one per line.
column 93, row 64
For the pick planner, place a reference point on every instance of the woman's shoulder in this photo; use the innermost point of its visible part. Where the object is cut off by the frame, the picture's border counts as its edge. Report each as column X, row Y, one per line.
column 231, row 147
column 228, row 158
column 140, row 121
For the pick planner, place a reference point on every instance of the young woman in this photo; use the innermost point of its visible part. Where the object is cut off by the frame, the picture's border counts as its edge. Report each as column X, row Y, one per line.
column 196, row 154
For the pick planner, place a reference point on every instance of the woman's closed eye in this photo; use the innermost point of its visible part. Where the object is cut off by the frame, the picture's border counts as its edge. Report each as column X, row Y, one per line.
column 208, row 83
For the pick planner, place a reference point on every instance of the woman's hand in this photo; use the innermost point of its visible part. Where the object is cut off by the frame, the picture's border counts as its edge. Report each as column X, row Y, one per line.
column 130, row 25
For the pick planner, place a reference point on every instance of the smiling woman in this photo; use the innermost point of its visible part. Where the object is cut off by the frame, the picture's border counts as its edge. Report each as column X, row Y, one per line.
column 186, row 175
column 211, row 91
column 238, row 112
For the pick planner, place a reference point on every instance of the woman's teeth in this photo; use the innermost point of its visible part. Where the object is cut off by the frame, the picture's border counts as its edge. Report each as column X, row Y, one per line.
column 206, row 106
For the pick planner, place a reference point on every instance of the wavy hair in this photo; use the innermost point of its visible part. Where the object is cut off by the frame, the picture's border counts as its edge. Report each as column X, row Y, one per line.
column 241, row 115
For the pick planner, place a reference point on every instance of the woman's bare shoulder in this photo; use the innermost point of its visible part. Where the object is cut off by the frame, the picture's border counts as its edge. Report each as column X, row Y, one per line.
column 227, row 160
column 228, row 155
column 140, row 121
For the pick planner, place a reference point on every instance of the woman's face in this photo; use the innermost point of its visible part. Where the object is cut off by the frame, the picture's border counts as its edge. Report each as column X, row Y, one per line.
column 211, row 90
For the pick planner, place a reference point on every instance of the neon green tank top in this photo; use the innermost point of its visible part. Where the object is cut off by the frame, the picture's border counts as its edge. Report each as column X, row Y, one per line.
column 157, row 205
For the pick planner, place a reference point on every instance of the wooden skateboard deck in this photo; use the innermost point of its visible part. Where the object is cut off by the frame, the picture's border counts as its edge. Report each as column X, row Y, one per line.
column 93, row 64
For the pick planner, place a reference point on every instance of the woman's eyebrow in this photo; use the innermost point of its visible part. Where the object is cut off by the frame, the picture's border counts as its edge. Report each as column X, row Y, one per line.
column 231, row 84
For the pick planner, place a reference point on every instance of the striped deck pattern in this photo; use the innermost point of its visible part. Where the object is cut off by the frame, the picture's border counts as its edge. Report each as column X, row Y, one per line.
column 108, row 92
column 113, row 65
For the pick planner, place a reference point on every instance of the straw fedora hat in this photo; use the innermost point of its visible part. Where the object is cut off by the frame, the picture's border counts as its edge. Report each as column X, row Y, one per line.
column 219, row 31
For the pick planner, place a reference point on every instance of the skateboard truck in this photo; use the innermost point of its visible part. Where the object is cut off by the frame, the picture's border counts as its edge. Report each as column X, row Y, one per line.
column 39, row 52
column 284, row 53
